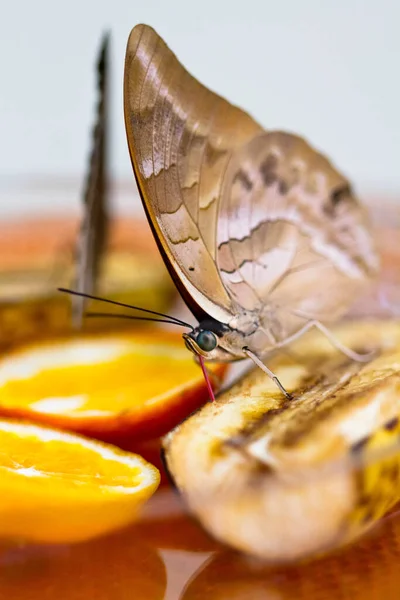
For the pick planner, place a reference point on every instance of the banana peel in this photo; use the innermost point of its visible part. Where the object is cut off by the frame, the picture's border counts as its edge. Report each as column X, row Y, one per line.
column 285, row 479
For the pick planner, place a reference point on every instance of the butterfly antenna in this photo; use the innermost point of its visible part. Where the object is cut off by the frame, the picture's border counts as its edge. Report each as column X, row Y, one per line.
column 133, row 318
column 108, row 301
column 207, row 378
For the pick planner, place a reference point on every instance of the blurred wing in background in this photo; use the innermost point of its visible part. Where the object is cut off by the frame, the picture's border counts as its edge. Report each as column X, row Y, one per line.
column 94, row 226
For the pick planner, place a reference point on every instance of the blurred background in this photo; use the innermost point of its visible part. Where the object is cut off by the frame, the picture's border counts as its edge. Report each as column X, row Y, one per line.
column 326, row 70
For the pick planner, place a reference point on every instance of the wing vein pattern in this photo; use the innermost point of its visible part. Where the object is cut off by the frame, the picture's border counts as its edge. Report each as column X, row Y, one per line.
column 248, row 220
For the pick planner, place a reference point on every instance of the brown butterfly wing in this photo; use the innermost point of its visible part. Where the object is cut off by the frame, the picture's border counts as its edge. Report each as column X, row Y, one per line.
column 292, row 238
column 181, row 137
column 246, row 220
column 94, row 226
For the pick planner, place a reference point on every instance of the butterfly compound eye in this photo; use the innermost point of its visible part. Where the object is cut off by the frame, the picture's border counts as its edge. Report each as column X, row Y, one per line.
column 206, row 340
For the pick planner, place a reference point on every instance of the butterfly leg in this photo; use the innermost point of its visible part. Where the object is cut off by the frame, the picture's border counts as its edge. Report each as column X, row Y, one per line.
column 264, row 368
column 333, row 340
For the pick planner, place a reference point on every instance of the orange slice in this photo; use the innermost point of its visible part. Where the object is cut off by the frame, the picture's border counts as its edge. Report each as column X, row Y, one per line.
column 58, row 487
column 135, row 386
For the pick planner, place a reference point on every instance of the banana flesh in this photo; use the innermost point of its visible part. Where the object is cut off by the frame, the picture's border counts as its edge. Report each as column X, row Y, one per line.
column 285, row 479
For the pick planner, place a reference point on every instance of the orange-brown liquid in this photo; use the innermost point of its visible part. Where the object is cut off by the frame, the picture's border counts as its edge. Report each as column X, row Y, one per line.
column 166, row 555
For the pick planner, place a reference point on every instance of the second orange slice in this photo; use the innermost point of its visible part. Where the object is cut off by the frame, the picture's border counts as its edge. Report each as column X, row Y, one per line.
column 57, row 487
column 113, row 387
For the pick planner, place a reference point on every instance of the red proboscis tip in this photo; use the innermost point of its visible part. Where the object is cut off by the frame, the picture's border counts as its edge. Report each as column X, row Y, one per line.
column 207, row 378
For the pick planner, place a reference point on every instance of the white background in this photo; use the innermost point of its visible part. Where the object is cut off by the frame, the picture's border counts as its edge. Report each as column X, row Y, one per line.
column 326, row 69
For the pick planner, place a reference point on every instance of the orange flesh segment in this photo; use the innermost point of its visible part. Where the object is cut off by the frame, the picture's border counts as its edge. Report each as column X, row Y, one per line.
column 51, row 459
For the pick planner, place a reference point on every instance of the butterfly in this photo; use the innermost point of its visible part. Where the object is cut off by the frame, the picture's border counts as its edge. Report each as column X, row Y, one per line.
column 263, row 237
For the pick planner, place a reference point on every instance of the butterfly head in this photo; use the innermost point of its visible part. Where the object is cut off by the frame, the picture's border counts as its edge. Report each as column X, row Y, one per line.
column 207, row 340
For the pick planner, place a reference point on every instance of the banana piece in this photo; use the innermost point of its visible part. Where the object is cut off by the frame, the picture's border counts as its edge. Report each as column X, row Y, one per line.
column 284, row 479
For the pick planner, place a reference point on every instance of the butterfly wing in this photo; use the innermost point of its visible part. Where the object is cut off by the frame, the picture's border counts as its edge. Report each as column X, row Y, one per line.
column 246, row 220
column 181, row 137
column 93, row 231
column 293, row 242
